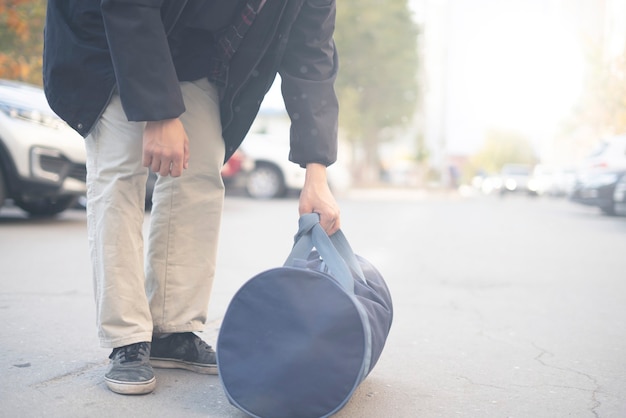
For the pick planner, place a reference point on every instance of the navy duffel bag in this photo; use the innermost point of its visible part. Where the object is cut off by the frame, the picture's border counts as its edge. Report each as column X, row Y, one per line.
column 297, row 340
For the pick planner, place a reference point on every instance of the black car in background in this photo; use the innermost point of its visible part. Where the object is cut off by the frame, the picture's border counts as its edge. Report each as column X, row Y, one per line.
column 605, row 189
column 619, row 197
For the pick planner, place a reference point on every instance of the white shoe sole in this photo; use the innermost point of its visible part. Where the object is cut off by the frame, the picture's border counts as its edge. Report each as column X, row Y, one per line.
column 131, row 388
column 160, row 363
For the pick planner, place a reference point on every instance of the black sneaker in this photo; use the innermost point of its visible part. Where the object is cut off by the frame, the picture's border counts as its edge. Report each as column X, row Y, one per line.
column 130, row 372
column 183, row 351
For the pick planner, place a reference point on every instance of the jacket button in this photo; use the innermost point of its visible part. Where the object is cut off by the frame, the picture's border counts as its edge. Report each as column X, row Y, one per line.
column 79, row 125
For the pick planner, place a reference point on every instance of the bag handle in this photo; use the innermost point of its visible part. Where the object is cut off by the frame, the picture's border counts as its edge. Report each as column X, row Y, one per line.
column 339, row 241
column 335, row 250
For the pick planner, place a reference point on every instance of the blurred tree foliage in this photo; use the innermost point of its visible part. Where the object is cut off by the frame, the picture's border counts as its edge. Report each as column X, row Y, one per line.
column 601, row 110
column 501, row 147
column 377, row 83
column 603, row 101
column 21, row 39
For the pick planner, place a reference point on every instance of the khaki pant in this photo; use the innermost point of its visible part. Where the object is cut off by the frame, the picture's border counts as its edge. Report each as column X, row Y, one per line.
column 171, row 293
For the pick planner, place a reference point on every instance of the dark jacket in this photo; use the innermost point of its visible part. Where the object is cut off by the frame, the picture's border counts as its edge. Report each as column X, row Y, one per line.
column 92, row 46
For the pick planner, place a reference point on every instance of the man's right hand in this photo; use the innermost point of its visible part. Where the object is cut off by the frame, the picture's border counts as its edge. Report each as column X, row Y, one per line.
column 166, row 147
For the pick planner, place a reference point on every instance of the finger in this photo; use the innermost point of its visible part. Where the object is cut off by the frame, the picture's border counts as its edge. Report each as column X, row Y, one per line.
column 186, row 154
column 328, row 228
column 147, row 160
column 328, row 223
column 155, row 165
column 165, row 168
column 177, row 168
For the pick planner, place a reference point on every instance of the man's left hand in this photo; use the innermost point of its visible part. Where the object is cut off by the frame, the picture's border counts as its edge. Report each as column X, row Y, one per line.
column 316, row 197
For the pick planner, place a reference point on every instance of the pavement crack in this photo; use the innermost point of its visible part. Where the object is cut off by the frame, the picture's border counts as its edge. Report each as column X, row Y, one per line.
column 596, row 386
column 473, row 383
column 73, row 373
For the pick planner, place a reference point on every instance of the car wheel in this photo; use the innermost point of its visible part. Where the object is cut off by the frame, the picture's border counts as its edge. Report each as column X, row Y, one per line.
column 608, row 210
column 265, row 182
column 47, row 206
column 619, row 197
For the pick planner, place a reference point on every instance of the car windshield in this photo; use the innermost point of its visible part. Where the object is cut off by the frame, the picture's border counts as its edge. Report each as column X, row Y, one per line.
column 599, row 150
column 516, row 170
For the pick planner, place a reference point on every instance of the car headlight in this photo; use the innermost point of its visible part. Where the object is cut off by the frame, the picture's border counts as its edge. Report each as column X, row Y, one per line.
column 510, row 184
column 31, row 115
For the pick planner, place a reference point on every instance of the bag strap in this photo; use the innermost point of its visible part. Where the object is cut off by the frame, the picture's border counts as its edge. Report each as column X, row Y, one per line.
column 229, row 39
column 339, row 241
column 335, row 251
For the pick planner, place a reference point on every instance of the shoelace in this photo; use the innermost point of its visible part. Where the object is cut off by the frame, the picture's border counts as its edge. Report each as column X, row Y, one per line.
column 206, row 347
column 131, row 352
column 193, row 340
column 201, row 344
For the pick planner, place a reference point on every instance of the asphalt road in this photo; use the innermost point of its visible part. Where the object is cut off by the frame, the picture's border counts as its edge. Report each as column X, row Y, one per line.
column 510, row 307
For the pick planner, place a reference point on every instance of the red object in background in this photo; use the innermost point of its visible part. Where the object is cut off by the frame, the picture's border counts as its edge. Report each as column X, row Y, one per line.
column 233, row 165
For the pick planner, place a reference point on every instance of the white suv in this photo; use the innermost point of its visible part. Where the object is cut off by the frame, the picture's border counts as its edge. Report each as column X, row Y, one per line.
column 42, row 160
column 269, row 173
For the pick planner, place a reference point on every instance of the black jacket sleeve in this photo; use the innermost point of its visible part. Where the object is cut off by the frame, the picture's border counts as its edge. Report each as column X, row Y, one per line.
column 308, row 71
column 145, row 74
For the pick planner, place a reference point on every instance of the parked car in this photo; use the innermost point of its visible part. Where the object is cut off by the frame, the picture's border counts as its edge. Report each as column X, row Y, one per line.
column 237, row 165
column 619, row 197
column 601, row 189
column 230, row 173
column 609, row 154
column 551, row 181
column 514, row 178
column 273, row 175
column 42, row 160
column 261, row 167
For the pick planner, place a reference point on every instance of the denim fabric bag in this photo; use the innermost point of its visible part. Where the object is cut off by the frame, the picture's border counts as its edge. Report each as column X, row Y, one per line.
column 297, row 340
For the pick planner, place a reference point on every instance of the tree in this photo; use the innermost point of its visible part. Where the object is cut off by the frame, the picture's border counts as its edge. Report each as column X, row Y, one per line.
column 377, row 83
column 502, row 147
column 21, row 39
column 601, row 110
